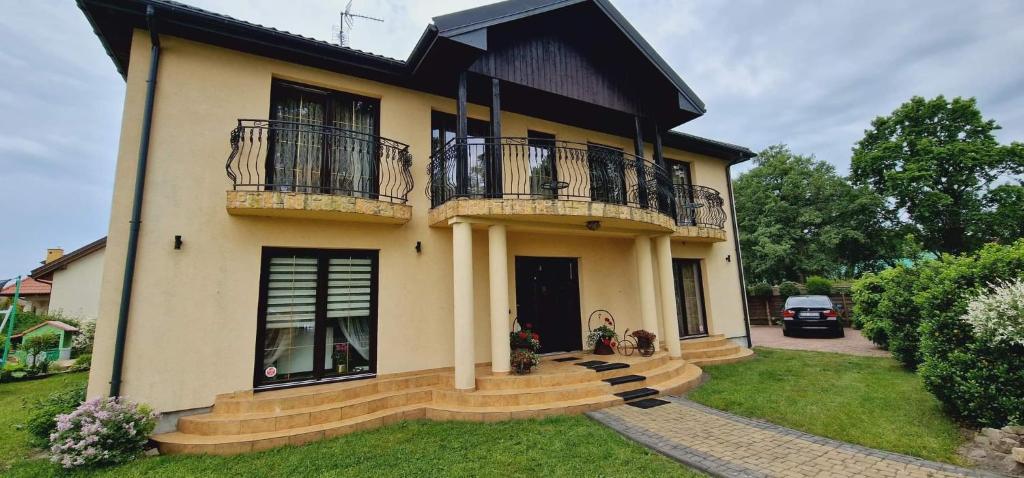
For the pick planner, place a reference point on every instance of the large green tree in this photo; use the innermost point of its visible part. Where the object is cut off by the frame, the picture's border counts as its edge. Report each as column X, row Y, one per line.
column 935, row 162
column 798, row 217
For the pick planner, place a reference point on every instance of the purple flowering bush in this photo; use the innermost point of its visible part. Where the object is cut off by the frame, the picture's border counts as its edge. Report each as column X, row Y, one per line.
column 102, row 431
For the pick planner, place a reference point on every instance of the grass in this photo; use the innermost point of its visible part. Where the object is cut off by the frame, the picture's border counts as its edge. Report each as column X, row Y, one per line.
column 560, row 446
column 13, row 442
column 871, row 401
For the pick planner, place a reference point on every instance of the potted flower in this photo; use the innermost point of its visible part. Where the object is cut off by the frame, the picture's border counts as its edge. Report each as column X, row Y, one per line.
column 603, row 339
column 644, row 342
column 523, row 360
column 525, row 338
column 340, row 356
column 525, row 344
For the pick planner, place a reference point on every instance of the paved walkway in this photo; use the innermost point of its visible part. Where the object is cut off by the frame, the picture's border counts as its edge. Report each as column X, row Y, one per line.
column 726, row 445
column 854, row 343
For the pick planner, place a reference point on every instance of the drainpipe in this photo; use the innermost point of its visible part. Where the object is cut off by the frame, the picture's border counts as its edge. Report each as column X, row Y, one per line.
column 136, row 220
column 736, row 242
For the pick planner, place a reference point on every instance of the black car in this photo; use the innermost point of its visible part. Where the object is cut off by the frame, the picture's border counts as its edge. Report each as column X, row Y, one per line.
column 810, row 312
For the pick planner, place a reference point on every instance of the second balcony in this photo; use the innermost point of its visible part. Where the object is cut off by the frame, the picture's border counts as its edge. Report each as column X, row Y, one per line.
column 567, row 185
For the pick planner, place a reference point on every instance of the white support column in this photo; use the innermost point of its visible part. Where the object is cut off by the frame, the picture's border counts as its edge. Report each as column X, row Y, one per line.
column 667, row 285
column 462, row 260
column 497, row 258
column 645, row 282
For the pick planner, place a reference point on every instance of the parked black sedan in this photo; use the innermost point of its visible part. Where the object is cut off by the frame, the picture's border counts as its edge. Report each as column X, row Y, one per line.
column 810, row 312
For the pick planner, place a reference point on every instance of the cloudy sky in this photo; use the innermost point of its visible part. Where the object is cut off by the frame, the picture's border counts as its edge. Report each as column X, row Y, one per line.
column 808, row 73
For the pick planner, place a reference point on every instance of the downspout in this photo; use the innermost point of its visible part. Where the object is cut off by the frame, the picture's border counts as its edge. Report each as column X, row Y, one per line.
column 736, row 242
column 136, row 220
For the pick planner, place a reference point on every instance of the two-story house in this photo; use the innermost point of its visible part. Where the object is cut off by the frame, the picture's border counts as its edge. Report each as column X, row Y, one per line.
column 308, row 239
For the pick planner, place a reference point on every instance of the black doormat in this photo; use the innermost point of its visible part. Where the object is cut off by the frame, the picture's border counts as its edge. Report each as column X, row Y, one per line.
column 647, row 403
column 565, row 359
column 624, row 379
column 630, row 395
column 591, row 363
column 609, row 366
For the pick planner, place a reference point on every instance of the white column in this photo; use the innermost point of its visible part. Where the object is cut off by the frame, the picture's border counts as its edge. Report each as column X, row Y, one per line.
column 645, row 282
column 667, row 284
column 497, row 258
column 462, row 260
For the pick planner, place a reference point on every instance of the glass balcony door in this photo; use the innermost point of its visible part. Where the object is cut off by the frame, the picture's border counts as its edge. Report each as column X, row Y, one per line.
column 689, row 298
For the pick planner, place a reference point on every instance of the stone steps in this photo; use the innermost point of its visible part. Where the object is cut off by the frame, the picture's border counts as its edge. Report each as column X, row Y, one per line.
column 741, row 354
column 246, row 421
column 716, row 340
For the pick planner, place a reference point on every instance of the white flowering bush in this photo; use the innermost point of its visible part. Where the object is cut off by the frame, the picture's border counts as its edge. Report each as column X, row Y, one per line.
column 102, row 431
column 999, row 314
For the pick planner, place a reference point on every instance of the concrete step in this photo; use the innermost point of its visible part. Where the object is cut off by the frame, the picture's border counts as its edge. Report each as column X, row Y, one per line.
column 711, row 352
column 716, row 340
column 741, row 354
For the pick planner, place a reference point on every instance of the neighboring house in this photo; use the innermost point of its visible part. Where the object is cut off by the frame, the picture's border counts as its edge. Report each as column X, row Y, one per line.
column 317, row 214
column 64, row 331
column 34, row 295
column 75, row 280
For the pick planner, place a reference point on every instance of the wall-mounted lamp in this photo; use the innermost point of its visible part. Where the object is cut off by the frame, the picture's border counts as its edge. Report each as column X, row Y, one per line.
column 593, row 225
column 728, row 258
column 177, row 242
column 419, row 247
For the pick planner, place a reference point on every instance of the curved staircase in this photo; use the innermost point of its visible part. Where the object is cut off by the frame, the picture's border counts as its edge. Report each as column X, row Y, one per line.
column 713, row 350
column 245, row 421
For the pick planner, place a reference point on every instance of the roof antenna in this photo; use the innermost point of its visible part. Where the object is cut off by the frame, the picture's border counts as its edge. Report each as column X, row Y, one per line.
column 342, row 30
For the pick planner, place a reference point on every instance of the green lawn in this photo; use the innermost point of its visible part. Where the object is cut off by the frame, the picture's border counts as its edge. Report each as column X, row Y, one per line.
column 870, row 401
column 562, row 446
column 13, row 442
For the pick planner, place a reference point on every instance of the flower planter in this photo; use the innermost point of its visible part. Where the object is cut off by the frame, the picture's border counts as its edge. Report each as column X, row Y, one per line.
column 601, row 348
column 645, row 347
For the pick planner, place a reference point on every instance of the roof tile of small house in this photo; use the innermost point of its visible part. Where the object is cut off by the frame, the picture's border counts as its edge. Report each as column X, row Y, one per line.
column 52, row 323
column 29, row 286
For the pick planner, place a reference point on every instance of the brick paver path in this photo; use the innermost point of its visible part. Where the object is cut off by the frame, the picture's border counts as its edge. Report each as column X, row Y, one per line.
column 722, row 444
column 854, row 343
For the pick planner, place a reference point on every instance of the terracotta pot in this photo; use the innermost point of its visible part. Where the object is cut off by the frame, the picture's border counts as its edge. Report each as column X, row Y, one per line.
column 601, row 348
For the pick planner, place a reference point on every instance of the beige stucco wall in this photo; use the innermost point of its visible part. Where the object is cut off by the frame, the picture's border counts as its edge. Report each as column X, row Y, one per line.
column 193, row 316
column 75, row 291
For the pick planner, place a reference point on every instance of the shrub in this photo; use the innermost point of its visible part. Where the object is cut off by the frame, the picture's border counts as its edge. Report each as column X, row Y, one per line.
column 82, row 362
column 81, row 343
column 42, row 413
column 976, row 378
column 760, row 289
column 818, row 285
column 999, row 316
column 102, row 431
column 788, row 288
column 865, row 293
column 885, row 309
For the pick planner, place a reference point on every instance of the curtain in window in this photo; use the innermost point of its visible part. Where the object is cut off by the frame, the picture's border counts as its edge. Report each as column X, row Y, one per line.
column 685, row 205
column 348, row 302
column 291, row 312
column 353, row 158
column 298, row 142
column 689, row 298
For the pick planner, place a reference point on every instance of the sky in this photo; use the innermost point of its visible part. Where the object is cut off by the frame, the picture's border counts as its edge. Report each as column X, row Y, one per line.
column 808, row 73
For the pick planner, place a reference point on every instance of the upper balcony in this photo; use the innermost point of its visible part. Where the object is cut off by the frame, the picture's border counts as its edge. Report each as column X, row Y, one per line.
column 574, row 186
column 305, row 170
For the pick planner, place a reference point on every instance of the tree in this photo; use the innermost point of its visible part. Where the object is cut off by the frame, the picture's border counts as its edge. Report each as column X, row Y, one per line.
column 797, row 217
column 934, row 161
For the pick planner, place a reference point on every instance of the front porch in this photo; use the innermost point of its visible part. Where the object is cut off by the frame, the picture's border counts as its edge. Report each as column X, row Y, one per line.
column 245, row 421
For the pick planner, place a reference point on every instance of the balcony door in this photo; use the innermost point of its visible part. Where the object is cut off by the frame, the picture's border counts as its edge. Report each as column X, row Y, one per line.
column 322, row 141
column 682, row 184
column 690, row 310
column 607, row 173
column 317, row 316
column 476, row 176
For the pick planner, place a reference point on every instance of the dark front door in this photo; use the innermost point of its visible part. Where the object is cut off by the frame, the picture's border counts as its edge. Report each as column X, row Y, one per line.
column 689, row 298
column 548, row 297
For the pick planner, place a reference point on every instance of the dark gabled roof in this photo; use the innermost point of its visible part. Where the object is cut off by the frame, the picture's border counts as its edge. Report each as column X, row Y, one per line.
column 45, row 272
column 465, row 22
column 710, row 147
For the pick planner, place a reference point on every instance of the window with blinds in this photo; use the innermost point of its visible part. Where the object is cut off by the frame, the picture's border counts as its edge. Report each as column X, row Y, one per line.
column 318, row 314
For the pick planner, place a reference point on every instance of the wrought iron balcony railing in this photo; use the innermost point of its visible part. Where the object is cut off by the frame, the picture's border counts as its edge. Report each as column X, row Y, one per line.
column 529, row 168
column 271, row 155
column 522, row 168
column 699, row 206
